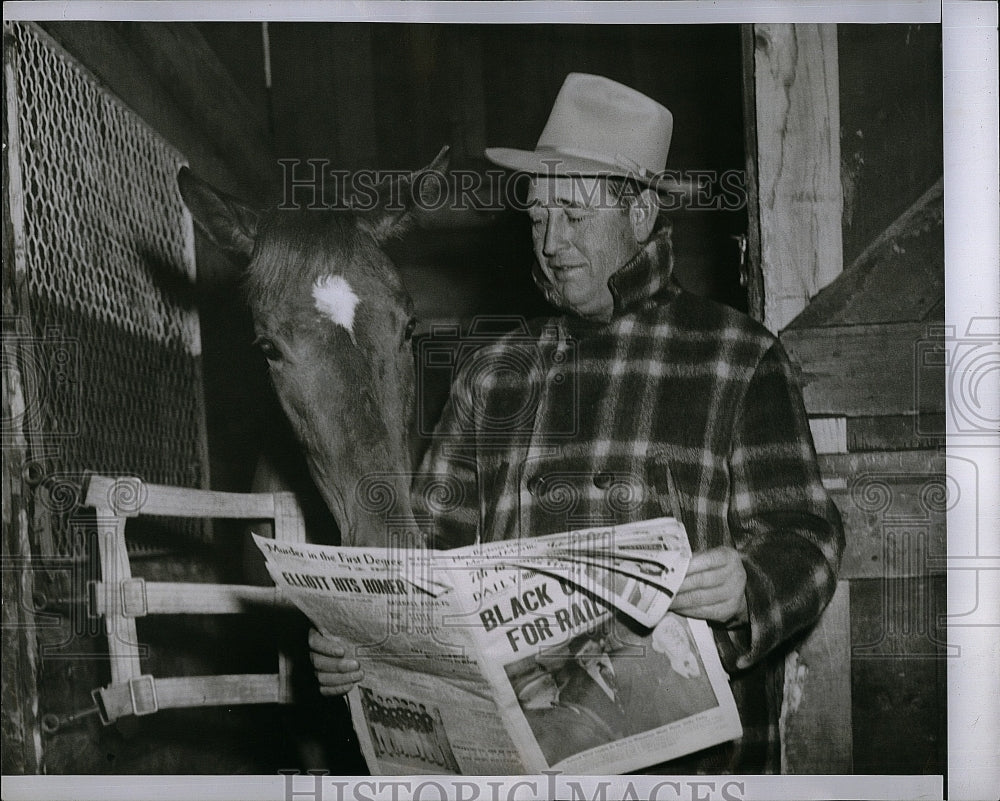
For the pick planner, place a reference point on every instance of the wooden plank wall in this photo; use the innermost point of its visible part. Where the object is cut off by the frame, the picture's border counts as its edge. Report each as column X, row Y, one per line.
column 793, row 155
column 870, row 348
column 852, row 110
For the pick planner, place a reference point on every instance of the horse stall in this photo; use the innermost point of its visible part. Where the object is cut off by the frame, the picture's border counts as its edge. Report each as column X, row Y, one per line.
column 136, row 408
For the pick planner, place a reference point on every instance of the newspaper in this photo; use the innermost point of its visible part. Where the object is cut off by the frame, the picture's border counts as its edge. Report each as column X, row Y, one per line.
column 515, row 657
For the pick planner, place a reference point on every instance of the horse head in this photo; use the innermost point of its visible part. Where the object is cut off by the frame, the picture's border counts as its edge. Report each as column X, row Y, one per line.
column 334, row 322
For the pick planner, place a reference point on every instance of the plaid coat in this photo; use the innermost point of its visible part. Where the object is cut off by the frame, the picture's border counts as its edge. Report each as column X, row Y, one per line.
column 677, row 406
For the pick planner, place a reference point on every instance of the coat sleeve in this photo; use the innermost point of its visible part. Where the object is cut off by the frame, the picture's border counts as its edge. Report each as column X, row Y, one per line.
column 782, row 521
column 445, row 490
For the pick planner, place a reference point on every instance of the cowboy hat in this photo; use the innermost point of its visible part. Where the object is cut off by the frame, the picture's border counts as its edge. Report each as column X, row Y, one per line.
column 598, row 127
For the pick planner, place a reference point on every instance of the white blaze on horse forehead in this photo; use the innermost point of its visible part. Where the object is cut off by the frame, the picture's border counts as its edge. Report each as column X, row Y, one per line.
column 335, row 299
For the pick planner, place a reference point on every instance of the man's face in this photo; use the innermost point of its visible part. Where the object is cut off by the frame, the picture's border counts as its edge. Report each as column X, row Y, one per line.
column 581, row 239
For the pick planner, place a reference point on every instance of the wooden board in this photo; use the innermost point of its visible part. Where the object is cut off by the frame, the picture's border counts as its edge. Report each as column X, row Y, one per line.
column 130, row 497
column 19, row 719
column 798, row 164
column 203, row 89
column 829, row 434
column 464, row 73
column 896, row 433
column 891, row 122
column 894, row 511
column 898, row 278
column 898, row 674
column 816, row 716
column 867, row 370
column 104, row 51
column 329, row 111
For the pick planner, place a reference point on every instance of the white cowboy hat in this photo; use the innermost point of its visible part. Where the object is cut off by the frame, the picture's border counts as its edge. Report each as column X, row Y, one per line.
column 597, row 127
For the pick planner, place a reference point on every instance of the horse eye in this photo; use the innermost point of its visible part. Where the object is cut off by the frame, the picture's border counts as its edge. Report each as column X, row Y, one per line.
column 410, row 328
column 268, row 348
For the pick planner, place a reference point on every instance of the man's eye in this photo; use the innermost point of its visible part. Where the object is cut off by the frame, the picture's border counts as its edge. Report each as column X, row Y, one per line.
column 411, row 326
column 268, row 348
column 575, row 215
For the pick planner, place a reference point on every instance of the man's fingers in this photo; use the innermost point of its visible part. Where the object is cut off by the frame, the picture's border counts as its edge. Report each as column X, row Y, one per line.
column 721, row 612
column 712, row 559
column 325, row 644
column 333, row 664
column 340, row 679
column 708, row 578
column 338, row 683
column 714, row 587
column 707, row 596
column 336, row 672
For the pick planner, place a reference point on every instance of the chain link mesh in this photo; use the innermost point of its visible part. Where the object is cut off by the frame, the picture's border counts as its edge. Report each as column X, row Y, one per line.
column 109, row 260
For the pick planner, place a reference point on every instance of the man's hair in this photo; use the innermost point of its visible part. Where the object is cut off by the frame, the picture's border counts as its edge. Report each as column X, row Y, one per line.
column 626, row 191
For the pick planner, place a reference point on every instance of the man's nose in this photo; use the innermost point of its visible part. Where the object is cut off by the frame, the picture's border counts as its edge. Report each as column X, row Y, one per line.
column 556, row 233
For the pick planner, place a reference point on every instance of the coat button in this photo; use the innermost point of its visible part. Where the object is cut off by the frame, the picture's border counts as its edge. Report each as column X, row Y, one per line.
column 603, row 480
column 536, row 486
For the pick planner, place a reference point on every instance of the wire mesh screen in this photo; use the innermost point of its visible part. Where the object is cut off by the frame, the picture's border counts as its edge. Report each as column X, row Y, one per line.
column 113, row 363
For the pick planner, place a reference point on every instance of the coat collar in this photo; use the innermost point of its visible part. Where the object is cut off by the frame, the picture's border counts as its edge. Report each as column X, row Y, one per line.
column 647, row 274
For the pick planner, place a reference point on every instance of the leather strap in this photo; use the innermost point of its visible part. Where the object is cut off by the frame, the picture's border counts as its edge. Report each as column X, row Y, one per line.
column 145, row 695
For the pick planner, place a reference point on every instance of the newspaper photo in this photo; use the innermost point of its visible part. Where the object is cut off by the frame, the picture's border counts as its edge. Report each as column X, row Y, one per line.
column 519, row 656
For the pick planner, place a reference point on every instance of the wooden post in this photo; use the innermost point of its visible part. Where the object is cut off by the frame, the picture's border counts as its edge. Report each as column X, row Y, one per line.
column 798, row 192
column 815, row 720
column 753, row 273
column 795, row 204
column 20, row 731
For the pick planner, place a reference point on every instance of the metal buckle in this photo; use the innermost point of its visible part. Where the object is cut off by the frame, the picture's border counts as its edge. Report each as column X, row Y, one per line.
column 134, row 602
column 143, row 692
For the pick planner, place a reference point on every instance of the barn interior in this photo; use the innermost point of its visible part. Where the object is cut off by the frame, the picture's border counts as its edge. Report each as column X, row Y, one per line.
column 847, row 234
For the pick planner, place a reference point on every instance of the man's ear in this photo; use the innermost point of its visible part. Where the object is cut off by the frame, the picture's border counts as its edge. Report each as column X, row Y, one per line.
column 642, row 214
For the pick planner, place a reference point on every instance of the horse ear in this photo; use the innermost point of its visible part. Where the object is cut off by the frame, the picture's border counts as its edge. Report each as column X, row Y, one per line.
column 423, row 190
column 227, row 222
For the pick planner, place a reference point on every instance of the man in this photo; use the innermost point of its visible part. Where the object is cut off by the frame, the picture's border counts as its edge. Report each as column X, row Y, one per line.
column 641, row 400
column 562, row 726
column 581, row 682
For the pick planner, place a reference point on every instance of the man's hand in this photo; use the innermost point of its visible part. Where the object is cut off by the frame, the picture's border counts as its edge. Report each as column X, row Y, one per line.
column 714, row 587
column 335, row 672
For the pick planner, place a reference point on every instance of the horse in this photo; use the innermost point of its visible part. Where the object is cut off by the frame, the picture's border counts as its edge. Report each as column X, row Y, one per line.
column 334, row 321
